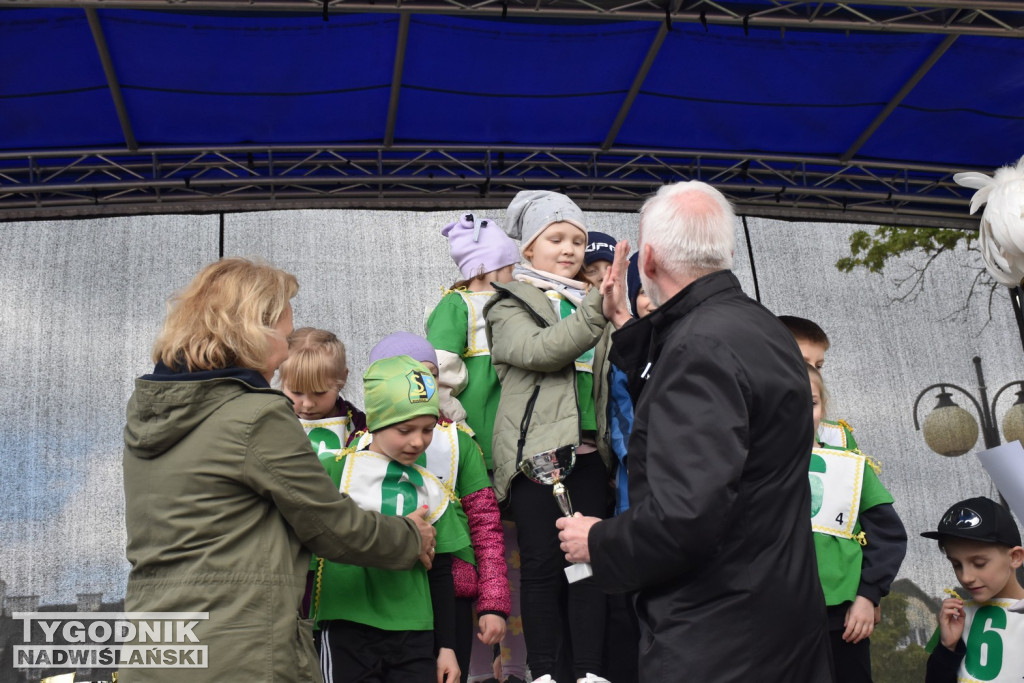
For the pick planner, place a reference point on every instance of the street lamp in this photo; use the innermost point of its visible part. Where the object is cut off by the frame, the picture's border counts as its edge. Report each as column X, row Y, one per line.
column 951, row 430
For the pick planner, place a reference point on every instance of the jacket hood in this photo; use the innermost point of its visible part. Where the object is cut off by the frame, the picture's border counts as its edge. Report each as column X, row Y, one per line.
column 167, row 405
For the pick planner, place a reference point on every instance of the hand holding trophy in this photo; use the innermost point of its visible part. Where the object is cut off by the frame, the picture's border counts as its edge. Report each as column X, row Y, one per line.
column 551, row 468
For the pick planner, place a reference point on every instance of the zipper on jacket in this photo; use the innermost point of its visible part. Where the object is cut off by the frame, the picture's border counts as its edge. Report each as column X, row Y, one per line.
column 524, row 425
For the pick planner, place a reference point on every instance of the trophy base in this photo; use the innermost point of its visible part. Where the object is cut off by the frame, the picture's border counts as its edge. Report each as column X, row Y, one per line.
column 578, row 571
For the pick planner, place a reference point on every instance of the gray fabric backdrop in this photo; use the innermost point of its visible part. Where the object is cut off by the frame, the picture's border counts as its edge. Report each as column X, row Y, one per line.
column 83, row 300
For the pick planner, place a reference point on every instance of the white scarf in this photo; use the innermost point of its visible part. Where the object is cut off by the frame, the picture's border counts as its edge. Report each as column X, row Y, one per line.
column 573, row 290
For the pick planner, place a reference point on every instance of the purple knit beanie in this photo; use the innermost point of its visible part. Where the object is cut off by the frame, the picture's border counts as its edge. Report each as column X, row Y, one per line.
column 404, row 344
column 479, row 245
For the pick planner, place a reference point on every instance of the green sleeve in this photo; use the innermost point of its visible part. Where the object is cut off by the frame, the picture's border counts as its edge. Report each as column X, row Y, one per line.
column 873, row 492
column 452, row 532
column 472, row 475
column 448, row 324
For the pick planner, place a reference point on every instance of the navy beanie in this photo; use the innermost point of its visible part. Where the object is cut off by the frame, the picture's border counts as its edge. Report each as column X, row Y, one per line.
column 633, row 284
column 600, row 247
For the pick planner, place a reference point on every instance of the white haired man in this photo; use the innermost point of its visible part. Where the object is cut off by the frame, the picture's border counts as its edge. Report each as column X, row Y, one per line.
column 717, row 542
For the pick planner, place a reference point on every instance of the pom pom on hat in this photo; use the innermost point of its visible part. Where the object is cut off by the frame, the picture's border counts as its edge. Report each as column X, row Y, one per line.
column 398, row 389
column 404, row 344
column 478, row 245
column 533, row 210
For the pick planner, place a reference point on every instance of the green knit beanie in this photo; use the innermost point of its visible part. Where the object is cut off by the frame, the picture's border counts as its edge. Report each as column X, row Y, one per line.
column 398, row 389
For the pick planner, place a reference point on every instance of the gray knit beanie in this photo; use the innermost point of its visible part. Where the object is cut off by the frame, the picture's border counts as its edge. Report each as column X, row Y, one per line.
column 533, row 210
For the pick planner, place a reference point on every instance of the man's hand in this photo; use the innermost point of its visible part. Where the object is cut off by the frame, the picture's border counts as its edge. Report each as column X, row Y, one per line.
column 613, row 288
column 428, row 535
column 574, row 531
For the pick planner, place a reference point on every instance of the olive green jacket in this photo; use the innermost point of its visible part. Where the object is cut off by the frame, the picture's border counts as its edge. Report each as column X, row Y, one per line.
column 224, row 500
column 534, row 354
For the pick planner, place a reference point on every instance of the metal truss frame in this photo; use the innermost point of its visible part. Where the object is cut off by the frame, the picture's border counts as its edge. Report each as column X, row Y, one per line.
column 135, row 180
column 200, row 180
column 967, row 17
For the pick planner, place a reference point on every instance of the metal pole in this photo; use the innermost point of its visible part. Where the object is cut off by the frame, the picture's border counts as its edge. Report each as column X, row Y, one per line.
column 988, row 427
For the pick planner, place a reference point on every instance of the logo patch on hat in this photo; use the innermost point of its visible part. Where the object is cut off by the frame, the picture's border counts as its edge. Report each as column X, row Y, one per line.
column 962, row 518
column 421, row 386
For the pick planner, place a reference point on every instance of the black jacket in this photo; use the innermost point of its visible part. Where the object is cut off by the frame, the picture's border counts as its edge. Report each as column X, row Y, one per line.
column 718, row 539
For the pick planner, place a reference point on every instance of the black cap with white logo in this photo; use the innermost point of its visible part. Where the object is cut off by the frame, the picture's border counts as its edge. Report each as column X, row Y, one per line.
column 978, row 519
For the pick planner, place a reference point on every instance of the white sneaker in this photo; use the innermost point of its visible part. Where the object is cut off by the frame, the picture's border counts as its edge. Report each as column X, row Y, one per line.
column 592, row 678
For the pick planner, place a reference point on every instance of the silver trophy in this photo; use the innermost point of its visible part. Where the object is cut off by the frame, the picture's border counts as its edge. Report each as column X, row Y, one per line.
column 551, row 468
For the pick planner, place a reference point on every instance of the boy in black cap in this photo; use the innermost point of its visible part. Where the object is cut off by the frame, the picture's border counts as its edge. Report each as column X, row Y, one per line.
column 980, row 637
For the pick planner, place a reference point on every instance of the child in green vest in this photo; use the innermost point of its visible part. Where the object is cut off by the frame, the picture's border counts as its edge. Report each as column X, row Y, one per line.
column 979, row 638
column 813, row 343
column 470, row 389
column 453, row 456
column 859, row 542
column 312, row 377
column 395, row 626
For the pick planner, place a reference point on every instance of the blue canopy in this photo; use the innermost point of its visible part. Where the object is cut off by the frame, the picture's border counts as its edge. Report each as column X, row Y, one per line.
column 826, row 111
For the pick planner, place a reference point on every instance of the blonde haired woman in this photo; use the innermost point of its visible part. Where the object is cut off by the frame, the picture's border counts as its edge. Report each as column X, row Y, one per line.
column 224, row 497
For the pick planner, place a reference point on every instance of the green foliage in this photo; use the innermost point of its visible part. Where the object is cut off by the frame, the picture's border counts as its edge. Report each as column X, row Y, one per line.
column 873, row 250
column 893, row 658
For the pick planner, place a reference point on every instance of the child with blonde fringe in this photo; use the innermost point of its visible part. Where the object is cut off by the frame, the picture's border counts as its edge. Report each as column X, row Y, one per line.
column 312, row 377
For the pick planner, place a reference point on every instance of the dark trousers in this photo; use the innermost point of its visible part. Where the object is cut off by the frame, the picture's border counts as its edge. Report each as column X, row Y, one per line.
column 622, row 640
column 357, row 653
column 548, row 626
column 464, row 634
column 852, row 661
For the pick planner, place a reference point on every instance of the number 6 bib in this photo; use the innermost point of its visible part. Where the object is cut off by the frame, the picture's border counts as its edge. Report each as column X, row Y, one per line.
column 836, row 480
column 376, row 482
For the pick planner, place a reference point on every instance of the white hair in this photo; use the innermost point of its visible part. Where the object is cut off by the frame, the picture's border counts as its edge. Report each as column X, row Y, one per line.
column 690, row 226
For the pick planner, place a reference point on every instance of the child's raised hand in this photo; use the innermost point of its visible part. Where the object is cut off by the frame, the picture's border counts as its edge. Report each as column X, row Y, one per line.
column 447, row 666
column 613, row 288
column 860, row 620
column 492, row 629
column 951, row 622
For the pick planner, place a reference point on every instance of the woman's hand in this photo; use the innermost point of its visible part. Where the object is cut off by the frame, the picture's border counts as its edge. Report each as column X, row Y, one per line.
column 447, row 666
column 428, row 535
column 492, row 629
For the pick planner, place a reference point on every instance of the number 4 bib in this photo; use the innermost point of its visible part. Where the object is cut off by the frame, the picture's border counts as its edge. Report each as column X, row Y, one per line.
column 836, row 480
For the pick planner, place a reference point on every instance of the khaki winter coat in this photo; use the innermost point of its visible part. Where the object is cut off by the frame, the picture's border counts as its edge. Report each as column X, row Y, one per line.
column 224, row 500
column 534, row 354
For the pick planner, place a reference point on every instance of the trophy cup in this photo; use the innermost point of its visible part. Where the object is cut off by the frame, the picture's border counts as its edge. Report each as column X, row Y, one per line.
column 550, row 468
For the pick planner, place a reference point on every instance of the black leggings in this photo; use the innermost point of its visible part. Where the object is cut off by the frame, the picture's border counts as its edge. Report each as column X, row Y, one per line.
column 546, row 623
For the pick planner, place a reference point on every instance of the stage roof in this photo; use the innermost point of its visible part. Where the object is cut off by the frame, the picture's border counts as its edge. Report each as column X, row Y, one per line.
column 815, row 111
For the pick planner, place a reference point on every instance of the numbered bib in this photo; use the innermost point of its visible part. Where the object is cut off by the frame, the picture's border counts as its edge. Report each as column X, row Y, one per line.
column 836, row 480
column 329, row 434
column 563, row 309
column 994, row 638
column 441, row 457
column 832, row 434
column 476, row 329
column 376, row 482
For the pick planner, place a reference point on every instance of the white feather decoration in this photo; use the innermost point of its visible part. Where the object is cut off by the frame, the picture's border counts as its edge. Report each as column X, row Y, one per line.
column 1002, row 222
